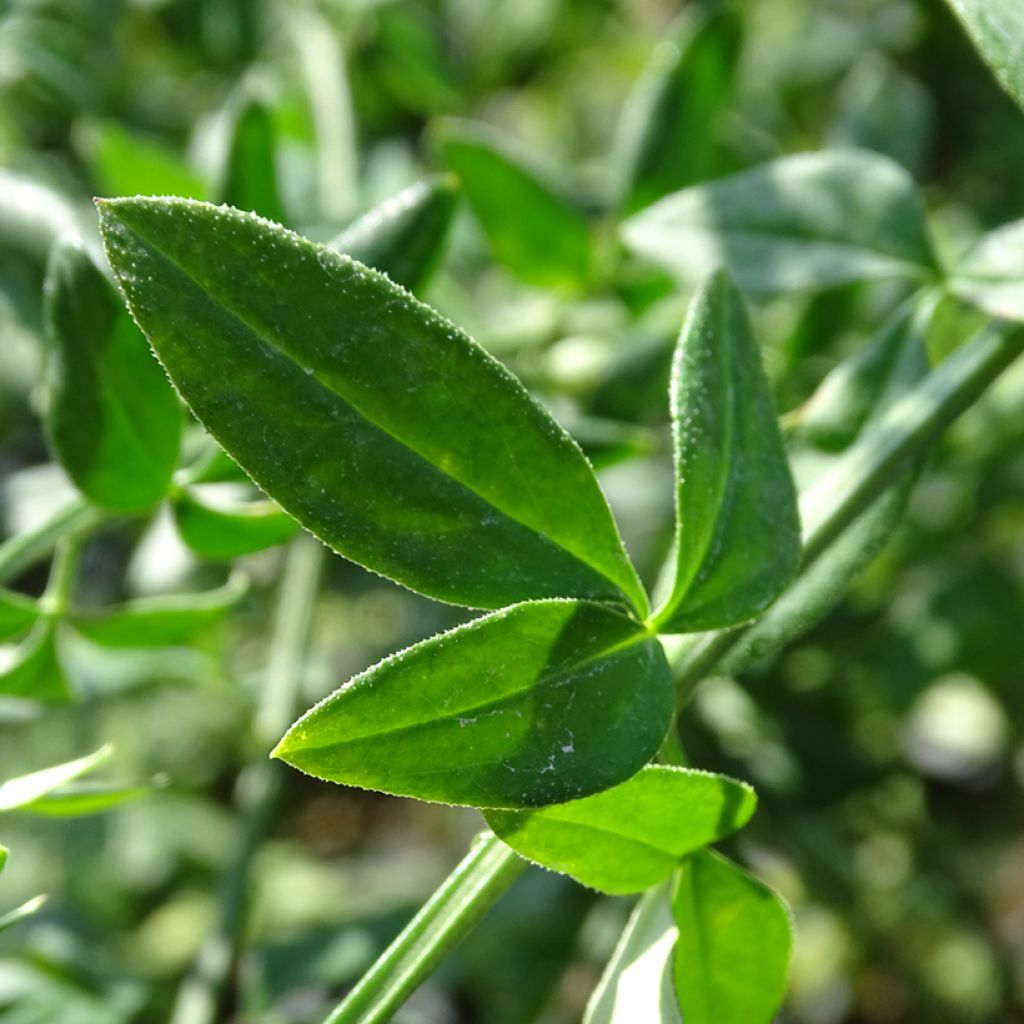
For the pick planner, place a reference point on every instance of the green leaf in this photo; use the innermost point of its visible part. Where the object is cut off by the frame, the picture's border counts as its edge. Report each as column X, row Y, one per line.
column 373, row 421
column 4, row 854
column 991, row 275
column 536, row 704
column 404, row 236
column 25, row 789
column 16, row 916
column 632, row 836
column 79, row 799
column 737, row 528
column 219, row 535
column 668, row 130
column 801, row 222
column 17, row 614
column 996, row 27
column 35, row 673
column 532, row 228
column 112, row 420
column 735, row 938
column 159, row 621
column 636, row 987
column 249, row 176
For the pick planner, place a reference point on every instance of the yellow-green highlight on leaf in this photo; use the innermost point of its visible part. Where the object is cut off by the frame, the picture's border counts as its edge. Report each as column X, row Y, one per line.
column 798, row 223
column 221, row 534
column 112, row 420
column 536, row 704
column 737, row 527
column 376, row 423
column 632, row 836
column 735, row 939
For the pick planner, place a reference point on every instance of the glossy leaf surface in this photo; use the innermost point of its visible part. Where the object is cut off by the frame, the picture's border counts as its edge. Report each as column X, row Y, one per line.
column 111, row 418
column 637, row 985
column 221, row 534
column 996, row 27
column 404, row 236
column 632, row 836
column 17, row 614
column 737, row 528
column 536, row 704
column 735, row 938
column 373, row 421
column 800, row 222
column 532, row 228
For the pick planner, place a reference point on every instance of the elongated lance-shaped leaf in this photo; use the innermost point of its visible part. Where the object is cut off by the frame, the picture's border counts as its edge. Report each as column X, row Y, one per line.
column 112, row 419
column 368, row 417
column 737, row 529
column 996, row 27
column 25, row 789
column 532, row 228
column 801, row 222
column 632, row 836
column 637, row 985
column 17, row 614
column 991, row 274
column 249, row 175
column 159, row 621
column 221, row 534
column 735, row 938
column 16, row 916
column 536, row 704
column 404, row 236
column 667, row 136
column 35, row 673
column 82, row 798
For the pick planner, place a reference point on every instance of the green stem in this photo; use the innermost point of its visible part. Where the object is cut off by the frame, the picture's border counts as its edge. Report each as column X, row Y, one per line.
column 55, row 600
column 260, row 783
column 487, row 871
column 20, row 552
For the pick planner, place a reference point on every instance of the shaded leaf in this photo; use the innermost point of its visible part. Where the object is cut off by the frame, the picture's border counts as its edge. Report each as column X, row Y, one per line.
column 737, row 529
column 800, row 222
column 112, row 419
column 17, row 614
column 373, row 421
column 532, row 228
column 735, row 938
column 221, row 534
column 536, row 704
column 404, row 237
column 24, row 789
column 249, row 176
column 35, row 673
column 996, row 27
column 632, row 836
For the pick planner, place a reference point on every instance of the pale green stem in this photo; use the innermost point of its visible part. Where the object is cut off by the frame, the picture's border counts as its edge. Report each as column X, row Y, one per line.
column 259, row 785
column 23, row 550
column 63, row 572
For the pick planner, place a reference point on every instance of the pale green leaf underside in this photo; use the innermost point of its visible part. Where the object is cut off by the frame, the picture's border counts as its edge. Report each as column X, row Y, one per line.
column 737, row 528
column 24, row 789
column 991, row 275
column 372, row 420
column 631, row 837
column 735, row 938
column 800, row 222
column 996, row 28
column 536, row 704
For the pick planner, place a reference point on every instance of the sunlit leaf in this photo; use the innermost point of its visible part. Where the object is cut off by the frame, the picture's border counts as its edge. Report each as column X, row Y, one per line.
column 996, row 27
column 24, row 789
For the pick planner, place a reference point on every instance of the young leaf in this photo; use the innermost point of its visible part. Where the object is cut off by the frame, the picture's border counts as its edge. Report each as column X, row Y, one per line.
column 112, row 419
column 632, row 836
column 536, row 704
column 801, row 222
column 18, row 792
column 249, row 176
column 159, row 621
column 17, row 614
column 35, row 673
column 372, row 420
column 83, row 798
column 219, row 535
column 404, row 236
column 735, row 938
column 996, row 27
column 737, row 528
column 534, row 231
column 636, row 987
column 991, row 275
column 667, row 134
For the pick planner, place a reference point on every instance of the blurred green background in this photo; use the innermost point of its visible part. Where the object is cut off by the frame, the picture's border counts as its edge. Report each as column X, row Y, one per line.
column 886, row 744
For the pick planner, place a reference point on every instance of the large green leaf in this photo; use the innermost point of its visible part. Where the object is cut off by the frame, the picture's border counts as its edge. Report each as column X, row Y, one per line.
column 996, row 28
column 368, row 417
column 17, row 614
column 636, row 987
column 532, row 227
column 632, row 836
column 668, row 133
column 735, row 939
column 536, row 704
column 737, row 529
column 991, row 275
column 801, row 222
column 221, row 534
column 404, row 236
column 111, row 417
